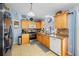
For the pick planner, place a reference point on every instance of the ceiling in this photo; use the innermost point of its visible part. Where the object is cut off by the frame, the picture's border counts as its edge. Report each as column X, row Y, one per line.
column 40, row 9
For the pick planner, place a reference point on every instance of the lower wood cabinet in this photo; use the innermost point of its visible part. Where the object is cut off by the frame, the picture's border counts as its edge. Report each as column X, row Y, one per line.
column 64, row 46
column 25, row 38
column 45, row 40
column 59, row 46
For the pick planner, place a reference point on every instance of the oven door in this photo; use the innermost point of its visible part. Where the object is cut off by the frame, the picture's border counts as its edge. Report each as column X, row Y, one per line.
column 32, row 35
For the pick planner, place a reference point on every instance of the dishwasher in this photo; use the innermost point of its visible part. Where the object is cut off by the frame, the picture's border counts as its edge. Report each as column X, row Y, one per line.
column 55, row 45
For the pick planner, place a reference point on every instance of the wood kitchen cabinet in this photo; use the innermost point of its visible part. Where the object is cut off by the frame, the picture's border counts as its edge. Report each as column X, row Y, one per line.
column 61, row 20
column 46, row 41
column 25, row 38
column 64, row 46
column 32, row 24
column 42, row 38
column 39, row 24
column 25, row 24
column 42, row 24
column 39, row 38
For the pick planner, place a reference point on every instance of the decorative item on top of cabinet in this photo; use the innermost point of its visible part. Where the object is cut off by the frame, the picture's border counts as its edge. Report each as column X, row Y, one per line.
column 61, row 20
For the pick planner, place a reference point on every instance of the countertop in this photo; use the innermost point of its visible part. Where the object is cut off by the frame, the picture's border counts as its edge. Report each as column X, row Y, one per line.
column 53, row 35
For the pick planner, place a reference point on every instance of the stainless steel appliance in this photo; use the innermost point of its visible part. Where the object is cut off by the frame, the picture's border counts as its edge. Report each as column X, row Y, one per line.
column 32, row 33
column 5, row 33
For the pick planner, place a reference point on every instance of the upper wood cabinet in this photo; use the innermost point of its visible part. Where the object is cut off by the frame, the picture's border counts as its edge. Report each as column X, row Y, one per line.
column 42, row 24
column 39, row 24
column 25, row 24
column 32, row 24
column 61, row 20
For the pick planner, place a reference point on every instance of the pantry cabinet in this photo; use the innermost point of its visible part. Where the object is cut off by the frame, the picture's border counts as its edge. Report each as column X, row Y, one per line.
column 61, row 20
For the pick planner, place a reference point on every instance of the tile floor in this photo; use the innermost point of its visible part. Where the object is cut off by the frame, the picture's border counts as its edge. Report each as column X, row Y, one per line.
column 32, row 49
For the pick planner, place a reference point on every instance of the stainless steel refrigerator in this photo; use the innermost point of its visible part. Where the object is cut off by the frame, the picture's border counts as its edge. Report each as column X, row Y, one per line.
column 5, row 32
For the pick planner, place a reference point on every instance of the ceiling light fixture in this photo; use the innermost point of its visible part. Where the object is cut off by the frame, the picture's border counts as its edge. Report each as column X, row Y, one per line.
column 31, row 13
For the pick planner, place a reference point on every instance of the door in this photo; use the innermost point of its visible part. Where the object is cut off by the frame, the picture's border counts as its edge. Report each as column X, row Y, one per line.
column 77, row 31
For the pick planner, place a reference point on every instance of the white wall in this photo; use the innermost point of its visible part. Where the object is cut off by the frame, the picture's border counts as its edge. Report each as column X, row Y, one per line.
column 77, row 31
column 16, row 32
column 40, row 9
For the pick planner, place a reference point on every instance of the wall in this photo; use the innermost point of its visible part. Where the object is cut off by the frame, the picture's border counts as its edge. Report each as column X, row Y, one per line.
column 77, row 31
column 46, row 8
column 49, row 27
column 72, row 32
column 16, row 32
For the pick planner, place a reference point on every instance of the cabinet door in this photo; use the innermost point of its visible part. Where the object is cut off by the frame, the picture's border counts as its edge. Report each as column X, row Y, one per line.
column 42, row 38
column 38, row 25
column 25, row 24
column 47, row 42
column 42, row 24
column 57, row 21
column 37, row 37
column 61, row 21
column 25, row 38
column 64, row 21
